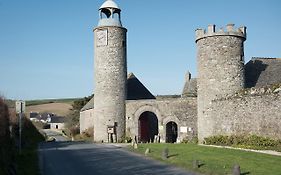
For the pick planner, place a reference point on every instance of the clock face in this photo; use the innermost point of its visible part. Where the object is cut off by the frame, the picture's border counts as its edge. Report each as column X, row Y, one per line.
column 101, row 37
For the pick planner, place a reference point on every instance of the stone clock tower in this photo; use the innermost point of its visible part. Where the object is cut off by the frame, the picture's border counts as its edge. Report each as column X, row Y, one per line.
column 110, row 67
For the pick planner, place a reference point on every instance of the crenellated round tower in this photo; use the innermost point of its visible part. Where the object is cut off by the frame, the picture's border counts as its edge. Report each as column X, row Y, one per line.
column 220, row 61
column 110, row 66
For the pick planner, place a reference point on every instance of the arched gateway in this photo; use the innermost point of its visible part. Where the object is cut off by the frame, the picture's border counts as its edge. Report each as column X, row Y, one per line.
column 148, row 127
column 171, row 132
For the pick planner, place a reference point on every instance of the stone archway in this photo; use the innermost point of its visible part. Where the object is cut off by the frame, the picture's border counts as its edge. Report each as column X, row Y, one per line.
column 171, row 132
column 147, row 127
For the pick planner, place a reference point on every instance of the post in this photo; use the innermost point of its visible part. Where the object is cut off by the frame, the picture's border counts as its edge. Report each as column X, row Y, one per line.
column 20, row 109
column 20, row 125
column 20, row 116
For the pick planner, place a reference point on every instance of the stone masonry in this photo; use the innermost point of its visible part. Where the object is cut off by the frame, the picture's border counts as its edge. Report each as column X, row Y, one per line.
column 249, row 114
column 182, row 111
column 227, row 98
column 110, row 83
column 220, row 57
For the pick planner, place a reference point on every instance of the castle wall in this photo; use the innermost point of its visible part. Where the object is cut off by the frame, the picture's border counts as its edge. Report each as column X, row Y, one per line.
column 250, row 114
column 220, row 61
column 110, row 81
column 182, row 111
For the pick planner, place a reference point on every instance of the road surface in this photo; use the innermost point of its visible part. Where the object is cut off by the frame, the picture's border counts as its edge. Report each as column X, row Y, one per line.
column 75, row 158
column 55, row 134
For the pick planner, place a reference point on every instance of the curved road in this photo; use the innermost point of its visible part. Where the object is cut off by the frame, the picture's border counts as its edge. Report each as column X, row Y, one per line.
column 74, row 158
column 55, row 134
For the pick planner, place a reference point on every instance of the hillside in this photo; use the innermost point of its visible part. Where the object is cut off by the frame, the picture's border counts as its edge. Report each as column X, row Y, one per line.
column 61, row 109
column 11, row 103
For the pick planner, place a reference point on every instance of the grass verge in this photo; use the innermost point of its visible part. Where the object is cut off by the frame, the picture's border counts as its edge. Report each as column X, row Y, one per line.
column 27, row 161
column 213, row 161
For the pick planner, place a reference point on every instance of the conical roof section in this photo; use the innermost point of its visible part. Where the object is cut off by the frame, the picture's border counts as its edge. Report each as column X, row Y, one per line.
column 136, row 90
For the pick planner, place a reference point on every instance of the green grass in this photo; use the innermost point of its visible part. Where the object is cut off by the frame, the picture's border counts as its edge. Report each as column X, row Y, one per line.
column 46, row 101
column 11, row 103
column 215, row 160
column 27, row 161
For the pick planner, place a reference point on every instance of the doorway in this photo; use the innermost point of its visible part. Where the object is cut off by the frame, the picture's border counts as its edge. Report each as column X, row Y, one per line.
column 171, row 132
column 148, row 127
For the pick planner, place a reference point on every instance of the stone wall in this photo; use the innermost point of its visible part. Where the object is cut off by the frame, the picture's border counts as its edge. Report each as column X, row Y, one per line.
column 86, row 119
column 182, row 111
column 253, row 113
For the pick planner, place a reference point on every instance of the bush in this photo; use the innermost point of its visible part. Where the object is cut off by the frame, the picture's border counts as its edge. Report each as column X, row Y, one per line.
column 193, row 140
column 251, row 141
column 89, row 132
column 6, row 144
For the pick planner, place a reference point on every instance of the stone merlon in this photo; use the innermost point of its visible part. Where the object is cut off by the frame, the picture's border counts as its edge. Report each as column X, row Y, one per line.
column 211, row 31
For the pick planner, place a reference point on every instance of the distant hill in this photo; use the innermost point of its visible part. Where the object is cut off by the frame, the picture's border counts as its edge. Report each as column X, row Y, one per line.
column 58, row 106
column 46, row 101
column 61, row 109
column 11, row 103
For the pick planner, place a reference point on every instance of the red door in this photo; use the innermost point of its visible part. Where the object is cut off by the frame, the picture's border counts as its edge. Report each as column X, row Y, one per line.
column 144, row 129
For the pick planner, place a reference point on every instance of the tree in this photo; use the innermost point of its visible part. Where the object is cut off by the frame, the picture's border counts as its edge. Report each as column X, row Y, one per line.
column 73, row 117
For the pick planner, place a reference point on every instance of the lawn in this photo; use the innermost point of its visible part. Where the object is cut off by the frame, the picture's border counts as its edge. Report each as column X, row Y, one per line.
column 215, row 160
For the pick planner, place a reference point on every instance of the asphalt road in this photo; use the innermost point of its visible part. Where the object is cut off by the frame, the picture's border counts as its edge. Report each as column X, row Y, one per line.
column 75, row 158
column 57, row 135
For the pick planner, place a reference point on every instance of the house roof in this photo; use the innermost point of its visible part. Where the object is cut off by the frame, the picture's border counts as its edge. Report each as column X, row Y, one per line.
column 57, row 119
column 135, row 91
column 89, row 105
column 190, row 87
column 262, row 71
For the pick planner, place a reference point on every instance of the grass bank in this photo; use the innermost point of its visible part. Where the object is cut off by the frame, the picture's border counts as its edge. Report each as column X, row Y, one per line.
column 213, row 161
column 27, row 162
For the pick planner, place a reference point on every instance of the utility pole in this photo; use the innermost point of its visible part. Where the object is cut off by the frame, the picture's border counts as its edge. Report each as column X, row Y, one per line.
column 20, row 109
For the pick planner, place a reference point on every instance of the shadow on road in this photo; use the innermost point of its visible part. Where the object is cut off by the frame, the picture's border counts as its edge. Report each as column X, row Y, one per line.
column 99, row 159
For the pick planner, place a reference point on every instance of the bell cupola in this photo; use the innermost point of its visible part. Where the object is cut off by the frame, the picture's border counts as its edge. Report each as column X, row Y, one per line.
column 110, row 14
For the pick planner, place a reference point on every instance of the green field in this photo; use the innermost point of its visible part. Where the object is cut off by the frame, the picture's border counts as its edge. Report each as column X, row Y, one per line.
column 11, row 103
column 215, row 160
column 46, row 101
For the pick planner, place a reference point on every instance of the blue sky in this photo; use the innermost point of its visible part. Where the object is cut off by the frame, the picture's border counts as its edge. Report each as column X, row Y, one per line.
column 46, row 46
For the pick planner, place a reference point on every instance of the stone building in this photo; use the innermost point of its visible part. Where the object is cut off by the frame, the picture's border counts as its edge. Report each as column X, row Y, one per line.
column 110, row 74
column 214, row 103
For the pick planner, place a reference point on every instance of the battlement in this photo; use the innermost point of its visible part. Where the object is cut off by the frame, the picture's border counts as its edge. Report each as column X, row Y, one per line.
column 230, row 31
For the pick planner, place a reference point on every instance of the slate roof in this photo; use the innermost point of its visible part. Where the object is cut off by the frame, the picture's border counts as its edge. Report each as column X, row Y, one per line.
column 57, row 119
column 262, row 71
column 89, row 105
column 190, row 86
column 135, row 91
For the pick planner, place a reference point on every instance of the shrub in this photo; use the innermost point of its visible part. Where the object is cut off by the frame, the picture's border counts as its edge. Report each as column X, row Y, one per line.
column 6, row 154
column 251, row 141
column 193, row 140
column 89, row 132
